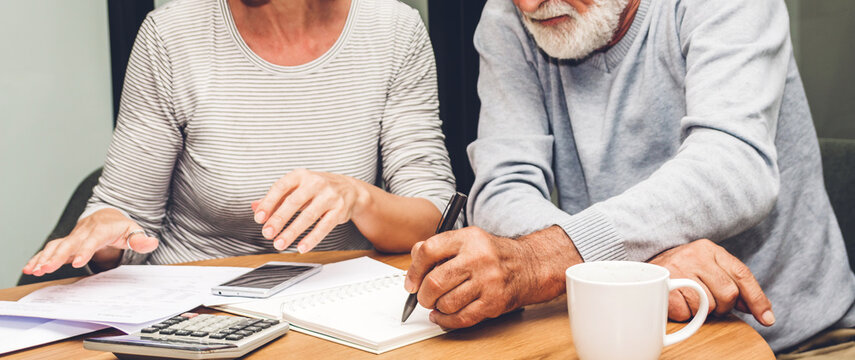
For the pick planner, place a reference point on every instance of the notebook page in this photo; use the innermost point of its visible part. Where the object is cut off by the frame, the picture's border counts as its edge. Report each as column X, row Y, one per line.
column 366, row 313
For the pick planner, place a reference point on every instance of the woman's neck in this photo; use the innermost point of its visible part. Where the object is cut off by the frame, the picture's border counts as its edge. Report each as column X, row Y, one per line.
column 290, row 32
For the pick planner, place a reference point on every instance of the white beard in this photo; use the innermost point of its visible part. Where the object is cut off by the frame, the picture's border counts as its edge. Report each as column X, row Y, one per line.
column 581, row 34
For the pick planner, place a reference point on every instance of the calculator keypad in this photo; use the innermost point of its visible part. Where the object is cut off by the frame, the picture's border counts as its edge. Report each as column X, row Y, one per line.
column 192, row 327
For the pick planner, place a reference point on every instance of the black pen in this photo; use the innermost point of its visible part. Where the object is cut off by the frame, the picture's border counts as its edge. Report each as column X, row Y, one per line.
column 449, row 217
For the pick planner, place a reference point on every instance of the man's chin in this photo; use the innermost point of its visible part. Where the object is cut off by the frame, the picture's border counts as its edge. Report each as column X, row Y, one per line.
column 555, row 41
column 562, row 50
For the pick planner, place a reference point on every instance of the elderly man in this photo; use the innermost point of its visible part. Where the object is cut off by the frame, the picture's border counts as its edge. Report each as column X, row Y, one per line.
column 655, row 123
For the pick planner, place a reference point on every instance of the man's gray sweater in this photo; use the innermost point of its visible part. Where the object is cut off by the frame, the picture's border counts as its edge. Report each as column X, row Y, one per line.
column 695, row 125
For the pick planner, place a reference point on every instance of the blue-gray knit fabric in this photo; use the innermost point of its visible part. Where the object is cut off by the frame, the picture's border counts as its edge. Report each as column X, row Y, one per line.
column 695, row 125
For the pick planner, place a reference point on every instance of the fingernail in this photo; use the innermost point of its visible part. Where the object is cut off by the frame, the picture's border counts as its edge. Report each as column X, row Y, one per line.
column 302, row 248
column 432, row 317
column 408, row 285
column 37, row 268
column 77, row 261
column 267, row 232
column 259, row 217
column 768, row 318
column 279, row 244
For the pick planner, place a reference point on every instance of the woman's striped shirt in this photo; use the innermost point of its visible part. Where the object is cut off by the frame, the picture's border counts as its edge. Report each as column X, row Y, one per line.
column 205, row 126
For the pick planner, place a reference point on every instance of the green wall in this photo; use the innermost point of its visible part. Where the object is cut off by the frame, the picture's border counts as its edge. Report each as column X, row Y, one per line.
column 825, row 52
column 55, row 124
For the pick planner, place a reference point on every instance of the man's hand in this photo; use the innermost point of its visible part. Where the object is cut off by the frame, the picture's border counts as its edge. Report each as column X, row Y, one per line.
column 469, row 275
column 727, row 281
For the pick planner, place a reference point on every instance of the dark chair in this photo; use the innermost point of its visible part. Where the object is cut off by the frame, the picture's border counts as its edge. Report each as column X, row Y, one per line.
column 838, row 166
column 66, row 223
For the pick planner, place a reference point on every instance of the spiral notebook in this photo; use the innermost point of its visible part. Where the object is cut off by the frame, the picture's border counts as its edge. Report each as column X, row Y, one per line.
column 365, row 315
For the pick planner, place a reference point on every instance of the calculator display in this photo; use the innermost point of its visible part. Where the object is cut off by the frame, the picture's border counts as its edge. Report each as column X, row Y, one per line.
column 267, row 276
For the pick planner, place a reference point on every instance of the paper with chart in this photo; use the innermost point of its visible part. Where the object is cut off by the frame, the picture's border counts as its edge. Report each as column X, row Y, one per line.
column 130, row 294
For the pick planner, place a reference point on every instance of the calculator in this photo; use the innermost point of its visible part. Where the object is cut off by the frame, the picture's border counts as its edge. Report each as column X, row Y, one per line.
column 193, row 336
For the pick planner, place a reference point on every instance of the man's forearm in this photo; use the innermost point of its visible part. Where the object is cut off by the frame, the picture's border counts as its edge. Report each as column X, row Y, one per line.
column 547, row 253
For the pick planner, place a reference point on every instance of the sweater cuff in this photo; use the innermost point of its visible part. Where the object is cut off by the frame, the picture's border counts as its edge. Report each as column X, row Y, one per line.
column 441, row 204
column 594, row 236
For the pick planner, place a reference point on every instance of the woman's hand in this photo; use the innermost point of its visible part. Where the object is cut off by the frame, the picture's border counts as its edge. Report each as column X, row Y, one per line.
column 99, row 237
column 328, row 199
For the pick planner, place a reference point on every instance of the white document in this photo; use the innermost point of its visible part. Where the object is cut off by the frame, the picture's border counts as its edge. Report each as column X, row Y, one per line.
column 130, row 294
column 20, row 333
column 331, row 275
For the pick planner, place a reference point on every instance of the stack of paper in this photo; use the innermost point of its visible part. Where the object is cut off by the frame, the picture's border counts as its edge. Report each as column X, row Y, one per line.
column 128, row 298
column 22, row 332
column 132, row 297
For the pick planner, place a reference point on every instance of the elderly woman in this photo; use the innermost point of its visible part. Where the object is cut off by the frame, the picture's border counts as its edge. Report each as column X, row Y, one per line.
column 248, row 127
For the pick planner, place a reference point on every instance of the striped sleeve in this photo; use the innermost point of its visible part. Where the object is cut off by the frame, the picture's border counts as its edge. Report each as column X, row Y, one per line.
column 414, row 158
column 146, row 141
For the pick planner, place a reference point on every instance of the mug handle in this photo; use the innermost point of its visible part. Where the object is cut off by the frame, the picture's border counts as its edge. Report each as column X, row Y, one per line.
column 700, row 316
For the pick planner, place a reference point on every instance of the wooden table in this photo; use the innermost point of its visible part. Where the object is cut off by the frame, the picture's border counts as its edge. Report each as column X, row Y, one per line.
column 539, row 332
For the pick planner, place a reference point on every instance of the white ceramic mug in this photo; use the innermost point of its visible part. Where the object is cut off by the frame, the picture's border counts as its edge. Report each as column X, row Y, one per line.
column 619, row 309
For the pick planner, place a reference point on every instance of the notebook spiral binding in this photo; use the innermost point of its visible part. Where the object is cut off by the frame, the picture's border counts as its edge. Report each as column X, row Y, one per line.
column 326, row 296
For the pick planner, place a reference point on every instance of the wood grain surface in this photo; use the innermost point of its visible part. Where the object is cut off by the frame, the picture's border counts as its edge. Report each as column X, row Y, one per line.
column 538, row 332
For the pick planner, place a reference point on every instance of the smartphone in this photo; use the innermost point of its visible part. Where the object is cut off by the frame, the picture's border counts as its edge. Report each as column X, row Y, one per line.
column 267, row 279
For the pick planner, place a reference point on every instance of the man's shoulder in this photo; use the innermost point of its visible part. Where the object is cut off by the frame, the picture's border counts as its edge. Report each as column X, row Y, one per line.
column 699, row 10
column 501, row 11
column 502, row 19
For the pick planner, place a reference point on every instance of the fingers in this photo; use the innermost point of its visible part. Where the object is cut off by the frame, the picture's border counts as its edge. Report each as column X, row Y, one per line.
column 89, row 237
column 294, row 202
column 693, row 300
column 740, row 305
column 426, row 254
column 322, row 228
column 143, row 244
column 471, row 314
column 456, row 299
column 443, row 279
column 749, row 289
column 28, row 268
column 678, row 308
column 278, row 190
column 325, row 204
column 721, row 290
column 33, row 266
column 85, row 253
column 45, row 258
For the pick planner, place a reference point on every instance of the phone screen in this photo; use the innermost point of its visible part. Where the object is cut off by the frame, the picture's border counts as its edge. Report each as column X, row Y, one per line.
column 267, row 276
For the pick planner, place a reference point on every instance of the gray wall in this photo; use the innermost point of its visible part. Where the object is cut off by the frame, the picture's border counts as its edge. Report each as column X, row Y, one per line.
column 55, row 116
column 825, row 51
